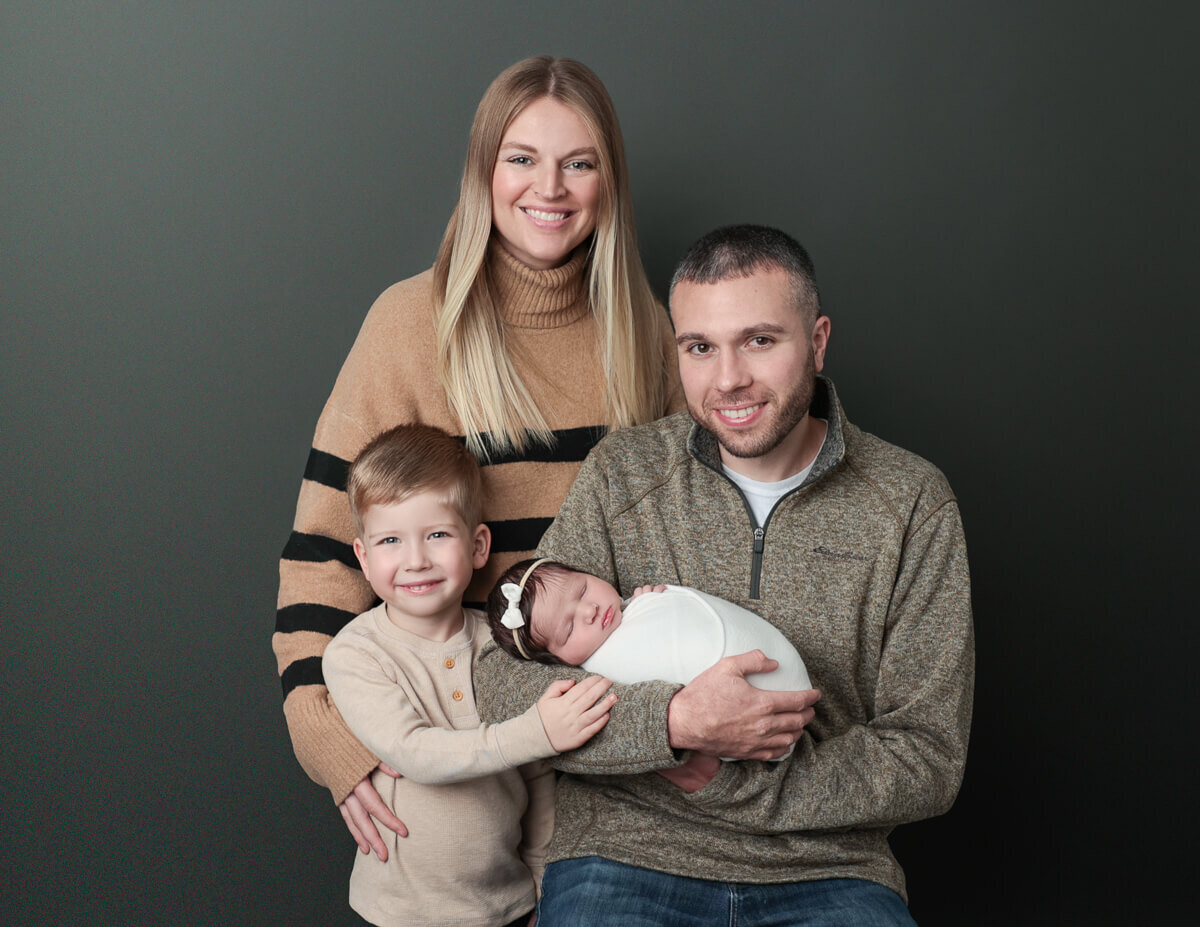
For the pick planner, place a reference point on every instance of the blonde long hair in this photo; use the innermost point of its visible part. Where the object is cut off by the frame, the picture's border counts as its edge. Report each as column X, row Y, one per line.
column 481, row 383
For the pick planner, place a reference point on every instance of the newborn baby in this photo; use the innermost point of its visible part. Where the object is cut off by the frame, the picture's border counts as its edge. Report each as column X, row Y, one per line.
column 545, row 611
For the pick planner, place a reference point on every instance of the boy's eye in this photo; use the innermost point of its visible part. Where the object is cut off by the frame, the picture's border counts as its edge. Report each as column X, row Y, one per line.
column 439, row 534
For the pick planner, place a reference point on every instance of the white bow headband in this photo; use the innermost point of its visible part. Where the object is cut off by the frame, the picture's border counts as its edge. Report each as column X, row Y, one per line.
column 512, row 618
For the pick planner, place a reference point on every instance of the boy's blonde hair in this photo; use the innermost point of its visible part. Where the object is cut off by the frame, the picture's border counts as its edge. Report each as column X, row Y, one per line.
column 411, row 459
column 482, row 385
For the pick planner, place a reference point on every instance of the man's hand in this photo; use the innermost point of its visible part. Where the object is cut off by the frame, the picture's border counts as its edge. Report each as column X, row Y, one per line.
column 720, row 713
column 695, row 774
column 361, row 806
column 572, row 714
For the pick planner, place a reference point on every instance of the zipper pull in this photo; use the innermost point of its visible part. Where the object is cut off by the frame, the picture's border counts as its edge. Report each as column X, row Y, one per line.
column 759, row 534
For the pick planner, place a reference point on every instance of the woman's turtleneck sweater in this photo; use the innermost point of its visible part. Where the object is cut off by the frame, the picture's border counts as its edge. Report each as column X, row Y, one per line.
column 390, row 377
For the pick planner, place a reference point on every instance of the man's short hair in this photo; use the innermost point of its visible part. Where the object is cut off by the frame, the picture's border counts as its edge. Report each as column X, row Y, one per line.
column 411, row 459
column 742, row 250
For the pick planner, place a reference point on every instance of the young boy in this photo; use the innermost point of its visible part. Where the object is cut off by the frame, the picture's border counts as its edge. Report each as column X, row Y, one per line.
column 478, row 807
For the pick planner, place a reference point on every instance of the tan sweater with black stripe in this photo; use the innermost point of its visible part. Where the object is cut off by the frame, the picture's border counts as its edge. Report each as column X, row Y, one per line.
column 390, row 377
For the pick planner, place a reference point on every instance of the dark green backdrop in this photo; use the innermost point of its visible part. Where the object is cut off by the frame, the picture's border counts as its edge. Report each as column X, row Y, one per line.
column 200, row 200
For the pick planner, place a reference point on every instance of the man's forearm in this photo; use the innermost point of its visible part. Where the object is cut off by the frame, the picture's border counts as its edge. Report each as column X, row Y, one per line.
column 633, row 741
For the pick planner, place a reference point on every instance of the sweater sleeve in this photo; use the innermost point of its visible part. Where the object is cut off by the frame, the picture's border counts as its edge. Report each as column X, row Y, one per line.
column 633, row 741
column 321, row 589
column 383, row 714
column 905, row 763
column 635, row 738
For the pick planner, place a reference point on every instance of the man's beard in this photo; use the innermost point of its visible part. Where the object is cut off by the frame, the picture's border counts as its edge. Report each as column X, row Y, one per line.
column 790, row 410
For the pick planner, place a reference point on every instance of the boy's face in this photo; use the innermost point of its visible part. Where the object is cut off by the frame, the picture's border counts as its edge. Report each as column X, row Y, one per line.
column 418, row 555
column 574, row 614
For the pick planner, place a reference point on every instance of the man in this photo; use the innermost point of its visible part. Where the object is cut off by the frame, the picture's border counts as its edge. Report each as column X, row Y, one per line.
column 766, row 495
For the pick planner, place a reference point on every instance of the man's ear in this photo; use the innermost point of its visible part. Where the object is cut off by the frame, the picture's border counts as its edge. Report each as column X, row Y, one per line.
column 481, row 546
column 820, row 341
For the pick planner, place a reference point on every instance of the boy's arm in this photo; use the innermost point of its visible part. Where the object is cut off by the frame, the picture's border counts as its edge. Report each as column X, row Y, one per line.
column 537, row 825
column 383, row 714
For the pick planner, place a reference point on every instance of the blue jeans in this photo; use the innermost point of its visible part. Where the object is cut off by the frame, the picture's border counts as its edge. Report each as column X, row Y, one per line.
column 593, row 891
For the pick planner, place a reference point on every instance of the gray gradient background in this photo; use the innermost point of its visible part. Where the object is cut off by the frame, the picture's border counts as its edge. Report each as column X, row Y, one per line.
column 201, row 200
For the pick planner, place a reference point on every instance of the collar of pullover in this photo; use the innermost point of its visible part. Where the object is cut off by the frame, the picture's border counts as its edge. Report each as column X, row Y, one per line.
column 702, row 444
column 531, row 298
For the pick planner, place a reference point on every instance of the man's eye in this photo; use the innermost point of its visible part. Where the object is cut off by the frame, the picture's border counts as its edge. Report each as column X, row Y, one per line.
column 700, row 349
column 761, row 341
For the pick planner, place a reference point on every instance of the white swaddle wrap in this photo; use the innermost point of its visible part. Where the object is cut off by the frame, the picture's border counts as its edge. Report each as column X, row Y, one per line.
column 678, row 634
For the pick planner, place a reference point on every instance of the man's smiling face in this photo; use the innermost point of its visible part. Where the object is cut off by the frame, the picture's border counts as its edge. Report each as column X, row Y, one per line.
column 748, row 359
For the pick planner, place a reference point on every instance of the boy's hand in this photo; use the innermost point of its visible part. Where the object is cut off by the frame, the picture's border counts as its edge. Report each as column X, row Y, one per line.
column 572, row 713
column 640, row 589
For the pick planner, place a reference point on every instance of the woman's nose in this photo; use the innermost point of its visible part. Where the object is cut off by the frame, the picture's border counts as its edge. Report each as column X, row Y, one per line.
column 549, row 185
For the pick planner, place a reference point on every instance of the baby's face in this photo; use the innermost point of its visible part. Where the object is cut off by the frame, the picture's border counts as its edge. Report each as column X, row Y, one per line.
column 574, row 614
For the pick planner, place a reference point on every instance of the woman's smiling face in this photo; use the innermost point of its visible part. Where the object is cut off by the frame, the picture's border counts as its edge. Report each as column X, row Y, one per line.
column 546, row 184
column 573, row 614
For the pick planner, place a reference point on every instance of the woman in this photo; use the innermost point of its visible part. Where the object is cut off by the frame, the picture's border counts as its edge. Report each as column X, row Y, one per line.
column 534, row 332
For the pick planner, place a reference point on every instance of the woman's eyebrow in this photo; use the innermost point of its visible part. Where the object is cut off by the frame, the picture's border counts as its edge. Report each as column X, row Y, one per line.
column 532, row 149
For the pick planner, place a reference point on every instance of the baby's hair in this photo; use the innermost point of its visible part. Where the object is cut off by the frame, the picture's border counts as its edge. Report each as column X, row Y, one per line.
column 497, row 604
column 411, row 459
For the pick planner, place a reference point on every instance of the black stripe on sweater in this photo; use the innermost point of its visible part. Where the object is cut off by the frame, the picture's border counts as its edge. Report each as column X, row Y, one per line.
column 518, row 533
column 311, row 616
column 306, row 672
column 326, row 469
column 316, row 548
column 571, row 445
